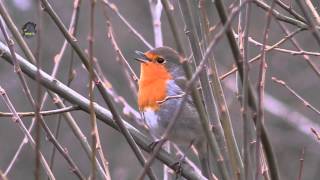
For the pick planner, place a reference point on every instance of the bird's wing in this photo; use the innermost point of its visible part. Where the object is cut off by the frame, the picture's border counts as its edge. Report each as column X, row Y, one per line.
column 182, row 83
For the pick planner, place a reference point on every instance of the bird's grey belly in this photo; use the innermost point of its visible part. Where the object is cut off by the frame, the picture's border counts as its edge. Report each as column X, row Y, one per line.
column 187, row 126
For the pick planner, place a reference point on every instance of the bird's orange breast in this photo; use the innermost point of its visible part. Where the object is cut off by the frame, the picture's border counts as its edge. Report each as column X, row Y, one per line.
column 152, row 85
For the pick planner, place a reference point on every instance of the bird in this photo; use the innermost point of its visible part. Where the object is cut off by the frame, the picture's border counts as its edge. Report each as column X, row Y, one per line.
column 162, row 76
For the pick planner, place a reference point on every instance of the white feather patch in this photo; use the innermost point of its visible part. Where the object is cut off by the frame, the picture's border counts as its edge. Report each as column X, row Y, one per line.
column 151, row 118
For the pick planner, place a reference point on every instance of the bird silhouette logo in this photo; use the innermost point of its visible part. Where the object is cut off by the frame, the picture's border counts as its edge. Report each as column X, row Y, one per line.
column 29, row 29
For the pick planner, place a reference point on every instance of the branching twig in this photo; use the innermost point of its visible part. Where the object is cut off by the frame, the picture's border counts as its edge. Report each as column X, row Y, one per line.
column 290, row 10
column 261, row 90
column 37, row 106
column 18, row 121
column 251, row 95
column 293, row 92
column 93, row 121
column 280, row 16
column 171, row 97
column 114, row 8
column 207, row 94
column 256, row 58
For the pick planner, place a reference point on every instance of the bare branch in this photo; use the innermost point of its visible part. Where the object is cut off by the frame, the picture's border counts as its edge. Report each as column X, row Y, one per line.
column 305, row 102
column 43, row 113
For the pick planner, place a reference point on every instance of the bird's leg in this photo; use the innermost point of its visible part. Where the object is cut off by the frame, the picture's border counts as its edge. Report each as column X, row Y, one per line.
column 178, row 165
column 153, row 144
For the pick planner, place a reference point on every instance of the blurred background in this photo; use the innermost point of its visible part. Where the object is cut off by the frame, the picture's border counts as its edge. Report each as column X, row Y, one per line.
column 287, row 119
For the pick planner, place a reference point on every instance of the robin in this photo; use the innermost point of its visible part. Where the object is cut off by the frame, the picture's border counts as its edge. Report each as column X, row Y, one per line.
column 162, row 76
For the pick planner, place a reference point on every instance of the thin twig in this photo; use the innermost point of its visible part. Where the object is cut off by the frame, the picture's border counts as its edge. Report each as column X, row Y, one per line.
column 43, row 113
column 301, row 164
column 298, row 47
column 37, row 106
column 175, row 31
column 16, row 155
column 280, row 16
column 155, row 7
column 256, row 58
column 288, row 51
column 171, row 97
column 17, row 69
column 156, row 11
column 126, row 69
column 290, row 10
column 245, row 106
column 18, row 121
column 293, row 92
column 55, row 98
column 218, row 92
column 252, row 96
column 114, row 8
column 57, row 61
column 207, row 94
column 261, row 89
column 284, row 112
column 94, row 128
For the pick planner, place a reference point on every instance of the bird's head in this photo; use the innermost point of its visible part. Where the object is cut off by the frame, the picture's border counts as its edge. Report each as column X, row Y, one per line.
column 157, row 67
column 162, row 62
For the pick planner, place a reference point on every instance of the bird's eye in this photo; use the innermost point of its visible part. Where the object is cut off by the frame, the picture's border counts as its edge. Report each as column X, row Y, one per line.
column 160, row 60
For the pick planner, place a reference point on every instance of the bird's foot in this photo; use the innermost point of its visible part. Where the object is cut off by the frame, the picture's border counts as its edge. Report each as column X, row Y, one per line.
column 177, row 166
column 152, row 145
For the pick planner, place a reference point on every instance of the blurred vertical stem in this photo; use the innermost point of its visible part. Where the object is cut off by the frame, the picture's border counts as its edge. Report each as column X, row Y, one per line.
column 37, row 102
column 173, row 25
column 72, row 29
column 94, row 128
column 247, row 131
column 271, row 158
column 234, row 153
column 310, row 19
column 190, row 30
column 195, row 94
column 261, row 89
column 156, row 11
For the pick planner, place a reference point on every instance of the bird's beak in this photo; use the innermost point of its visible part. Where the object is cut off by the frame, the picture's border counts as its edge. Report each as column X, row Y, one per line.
column 141, row 57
